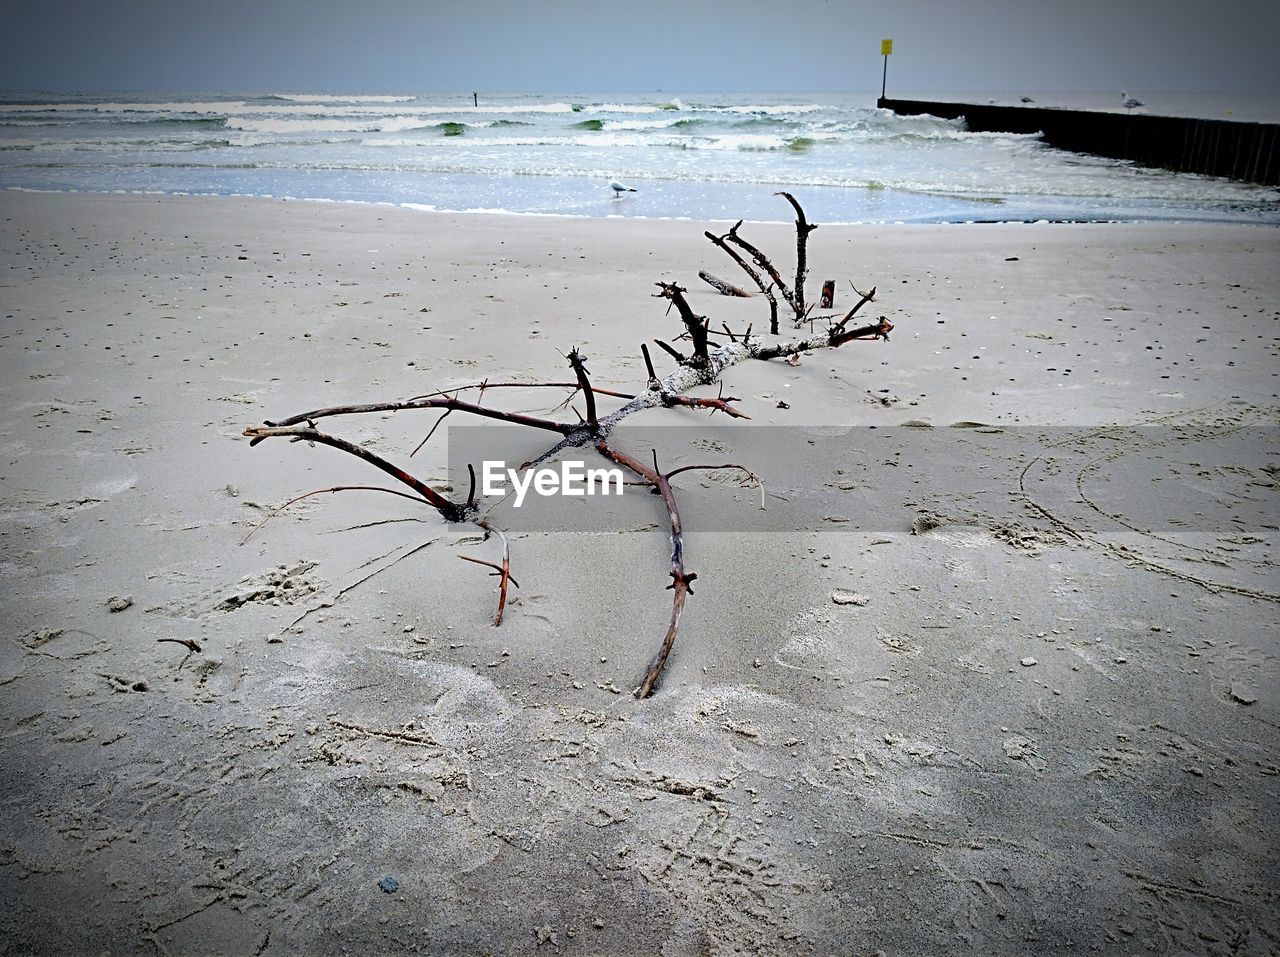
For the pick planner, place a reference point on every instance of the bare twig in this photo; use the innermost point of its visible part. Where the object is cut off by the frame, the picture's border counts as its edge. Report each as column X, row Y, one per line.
column 190, row 644
column 671, row 351
column 427, row 438
column 497, row 569
column 865, row 297
column 504, row 570
column 330, row 602
column 320, row 491
column 718, row 404
column 750, row 475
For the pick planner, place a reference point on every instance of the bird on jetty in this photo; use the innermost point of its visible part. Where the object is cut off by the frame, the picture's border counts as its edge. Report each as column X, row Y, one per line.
column 1128, row 101
column 619, row 189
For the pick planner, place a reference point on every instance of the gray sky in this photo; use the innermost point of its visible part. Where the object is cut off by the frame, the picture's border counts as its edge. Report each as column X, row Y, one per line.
column 673, row 45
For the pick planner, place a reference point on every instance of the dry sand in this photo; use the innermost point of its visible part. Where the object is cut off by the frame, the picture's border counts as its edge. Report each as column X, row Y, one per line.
column 1048, row 735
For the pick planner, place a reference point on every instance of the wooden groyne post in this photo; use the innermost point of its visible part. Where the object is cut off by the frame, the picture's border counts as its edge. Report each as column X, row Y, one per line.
column 1244, row 151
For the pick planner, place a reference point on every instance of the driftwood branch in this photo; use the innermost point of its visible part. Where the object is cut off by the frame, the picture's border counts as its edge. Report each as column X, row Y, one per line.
column 704, row 367
column 482, row 386
column 723, row 287
column 503, row 571
column 827, row 340
column 718, row 404
column 803, row 229
column 721, row 242
column 433, row 402
column 579, row 364
column 672, row 351
column 763, row 262
column 866, row 297
column 681, row 579
column 648, row 365
column 696, row 326
column 450, row 511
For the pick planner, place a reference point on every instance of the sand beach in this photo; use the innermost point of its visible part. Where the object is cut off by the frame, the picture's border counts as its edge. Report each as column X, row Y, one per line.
column 1028, row 708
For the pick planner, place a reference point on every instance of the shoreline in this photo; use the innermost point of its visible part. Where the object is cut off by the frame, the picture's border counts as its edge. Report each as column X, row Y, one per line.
column 428, row 208
column 1060, row 730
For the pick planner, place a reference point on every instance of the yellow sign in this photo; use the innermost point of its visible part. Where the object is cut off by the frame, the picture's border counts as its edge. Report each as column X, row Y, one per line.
column 886, row 47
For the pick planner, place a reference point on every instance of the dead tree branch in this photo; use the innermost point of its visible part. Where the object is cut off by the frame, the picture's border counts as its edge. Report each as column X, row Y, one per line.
column 518, row 385
column 704, row 367
column 696, row 326
column 681, row 580
column 579, row 364
column 803, row 229
column 866, row 297
column 723, row 287
column 763, row 262
column 450, row 511
column 750, row 271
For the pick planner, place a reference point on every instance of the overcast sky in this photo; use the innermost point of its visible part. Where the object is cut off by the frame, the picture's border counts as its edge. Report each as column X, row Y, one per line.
column 674, row 45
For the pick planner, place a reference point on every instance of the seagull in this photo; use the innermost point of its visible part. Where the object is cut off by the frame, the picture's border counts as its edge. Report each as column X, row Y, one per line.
column 1129, row 102
column 619, row 189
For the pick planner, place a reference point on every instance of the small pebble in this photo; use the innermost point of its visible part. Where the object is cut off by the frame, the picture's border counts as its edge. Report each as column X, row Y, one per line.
column 119, row 602
column 1028, row 662
column 389, row 885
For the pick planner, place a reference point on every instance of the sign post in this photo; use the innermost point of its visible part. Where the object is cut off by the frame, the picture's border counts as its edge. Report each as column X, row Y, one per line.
column 886, row 47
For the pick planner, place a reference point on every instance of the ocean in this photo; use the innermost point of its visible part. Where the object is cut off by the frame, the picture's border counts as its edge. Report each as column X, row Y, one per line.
column 697, row 156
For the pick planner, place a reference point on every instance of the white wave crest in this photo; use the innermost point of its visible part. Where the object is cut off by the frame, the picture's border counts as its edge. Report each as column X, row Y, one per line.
column 614, row 125
column 621, row 108
column 398, row 124
column 336, row 125
column 337, row 98
column 786, row 109
column 196, row 107
column 750, row 142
